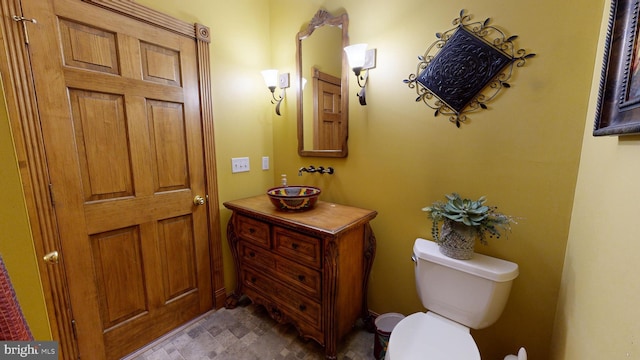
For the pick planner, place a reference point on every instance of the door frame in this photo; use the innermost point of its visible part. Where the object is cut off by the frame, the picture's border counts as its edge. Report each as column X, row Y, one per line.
column 22, row 108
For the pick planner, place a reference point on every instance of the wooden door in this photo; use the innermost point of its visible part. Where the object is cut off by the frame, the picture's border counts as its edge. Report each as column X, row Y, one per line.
column 328, row 117
column 119, row 106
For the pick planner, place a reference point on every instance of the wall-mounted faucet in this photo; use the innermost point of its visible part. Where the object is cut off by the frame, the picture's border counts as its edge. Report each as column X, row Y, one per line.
column 329, row 170
column 312, row 169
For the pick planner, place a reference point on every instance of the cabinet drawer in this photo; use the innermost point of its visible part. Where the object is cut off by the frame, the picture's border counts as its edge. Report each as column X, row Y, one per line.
column 263, row 284
column 302, row 278
column 297, row 247
column 298, row 306
column 253, row 230
column 257, row 257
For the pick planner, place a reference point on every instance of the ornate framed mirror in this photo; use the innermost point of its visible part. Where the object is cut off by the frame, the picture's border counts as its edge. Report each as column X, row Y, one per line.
column 322, row 84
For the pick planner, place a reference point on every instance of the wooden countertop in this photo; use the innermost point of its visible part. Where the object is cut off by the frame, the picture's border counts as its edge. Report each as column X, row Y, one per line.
column 325, row 217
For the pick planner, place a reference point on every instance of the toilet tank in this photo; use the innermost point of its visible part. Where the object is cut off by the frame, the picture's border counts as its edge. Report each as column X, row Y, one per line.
column 470, row 292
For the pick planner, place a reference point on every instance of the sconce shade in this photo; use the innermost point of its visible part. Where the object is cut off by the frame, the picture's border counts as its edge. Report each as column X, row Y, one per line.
column 270, row 78
column 356, row 55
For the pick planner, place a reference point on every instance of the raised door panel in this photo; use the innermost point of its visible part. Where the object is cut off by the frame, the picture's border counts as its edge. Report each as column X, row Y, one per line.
column 117, row 256
column 160, row 64
column 177, row 254
column 328, row 119
column 331, row 123
column 88, row 47
column 103, row 148
column 168, row 145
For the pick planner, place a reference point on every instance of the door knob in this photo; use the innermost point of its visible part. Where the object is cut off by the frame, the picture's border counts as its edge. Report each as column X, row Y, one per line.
column 52, row 257
column 199, row 200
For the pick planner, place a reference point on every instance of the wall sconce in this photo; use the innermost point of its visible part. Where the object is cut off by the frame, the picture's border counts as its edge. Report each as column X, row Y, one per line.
column 272, row 80
column 360, row 59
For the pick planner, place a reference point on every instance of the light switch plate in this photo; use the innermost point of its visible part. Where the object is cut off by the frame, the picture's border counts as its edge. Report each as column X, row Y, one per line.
column 240, row 164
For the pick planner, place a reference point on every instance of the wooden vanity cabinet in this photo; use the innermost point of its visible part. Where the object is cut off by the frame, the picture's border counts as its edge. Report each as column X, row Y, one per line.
column 307, row 268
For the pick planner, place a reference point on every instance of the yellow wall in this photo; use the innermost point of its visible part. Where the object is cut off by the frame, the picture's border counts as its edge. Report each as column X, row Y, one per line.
column 598, row 309
column 16, row 245
column 523, row 153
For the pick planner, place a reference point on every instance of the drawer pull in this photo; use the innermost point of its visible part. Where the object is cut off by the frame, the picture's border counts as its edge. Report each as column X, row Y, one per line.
column 302, row 307
column 252, row 254
column 294, row 246
column 253, row 279
column 301, row 277
column 252, row 230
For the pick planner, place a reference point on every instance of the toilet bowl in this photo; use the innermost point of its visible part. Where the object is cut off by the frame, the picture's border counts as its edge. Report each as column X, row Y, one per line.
column 460, row 295
column 430, row 336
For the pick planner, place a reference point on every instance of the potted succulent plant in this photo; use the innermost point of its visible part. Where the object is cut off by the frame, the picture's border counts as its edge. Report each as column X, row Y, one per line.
column 464, row 220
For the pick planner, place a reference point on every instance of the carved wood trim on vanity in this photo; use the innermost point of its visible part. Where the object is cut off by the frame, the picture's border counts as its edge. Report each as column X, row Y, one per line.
column 330, row 290
column 280, row 257
column 232, row 239
column 369, row 256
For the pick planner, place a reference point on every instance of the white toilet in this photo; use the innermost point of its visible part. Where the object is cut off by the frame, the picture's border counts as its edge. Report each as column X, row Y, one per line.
column 460, row 294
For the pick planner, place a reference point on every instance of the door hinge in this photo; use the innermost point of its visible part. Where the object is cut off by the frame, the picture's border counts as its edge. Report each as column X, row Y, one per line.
column 53, row 200
column 75, row 329
column 24, row 21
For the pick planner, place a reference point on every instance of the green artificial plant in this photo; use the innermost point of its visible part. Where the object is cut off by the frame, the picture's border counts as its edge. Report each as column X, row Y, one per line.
column 485, row 220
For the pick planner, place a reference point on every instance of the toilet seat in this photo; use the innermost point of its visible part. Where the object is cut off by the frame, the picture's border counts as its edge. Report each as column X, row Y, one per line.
column 433, row 337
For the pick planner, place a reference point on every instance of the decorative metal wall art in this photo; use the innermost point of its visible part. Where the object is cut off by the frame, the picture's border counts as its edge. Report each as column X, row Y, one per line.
column 465, row 68
column 618, row 111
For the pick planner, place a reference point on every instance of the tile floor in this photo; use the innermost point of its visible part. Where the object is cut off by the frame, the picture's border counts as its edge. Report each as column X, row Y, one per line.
column 248, row 333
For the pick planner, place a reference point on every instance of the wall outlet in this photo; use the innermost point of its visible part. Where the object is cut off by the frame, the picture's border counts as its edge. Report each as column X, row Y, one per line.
column 265, row 163
column 240, row 164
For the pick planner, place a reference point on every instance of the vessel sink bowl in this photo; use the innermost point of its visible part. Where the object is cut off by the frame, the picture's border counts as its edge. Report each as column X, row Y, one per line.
column 294, row 198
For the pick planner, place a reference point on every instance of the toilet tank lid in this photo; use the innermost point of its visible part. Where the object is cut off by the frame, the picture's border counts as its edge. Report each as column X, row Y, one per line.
column 481, row 265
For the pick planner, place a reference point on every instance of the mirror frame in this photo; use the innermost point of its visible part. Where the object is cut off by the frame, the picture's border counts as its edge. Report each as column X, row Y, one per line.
column 322, row 18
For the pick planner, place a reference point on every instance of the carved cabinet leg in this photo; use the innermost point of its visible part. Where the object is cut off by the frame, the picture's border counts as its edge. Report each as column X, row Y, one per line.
column 329, row 295
column 232, row 237
column 369, row 255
